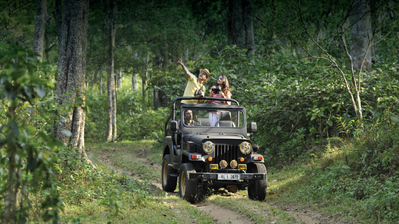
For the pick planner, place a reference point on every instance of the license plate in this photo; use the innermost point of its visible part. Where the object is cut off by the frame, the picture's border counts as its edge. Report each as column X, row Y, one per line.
column 228, row 176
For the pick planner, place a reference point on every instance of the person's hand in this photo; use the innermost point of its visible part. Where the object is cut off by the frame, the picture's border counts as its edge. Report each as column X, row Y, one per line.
column 201, row 93
column 179, row 61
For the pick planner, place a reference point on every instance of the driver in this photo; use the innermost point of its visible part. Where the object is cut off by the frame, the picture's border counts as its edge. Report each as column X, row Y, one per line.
column 188, row 118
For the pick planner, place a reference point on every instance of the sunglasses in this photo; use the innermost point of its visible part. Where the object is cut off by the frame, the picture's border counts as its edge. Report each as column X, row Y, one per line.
column 220, row 78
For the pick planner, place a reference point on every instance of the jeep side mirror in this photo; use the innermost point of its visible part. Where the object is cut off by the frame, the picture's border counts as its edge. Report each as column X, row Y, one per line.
column 173, row 126
column 252, row 127
column 255, row 147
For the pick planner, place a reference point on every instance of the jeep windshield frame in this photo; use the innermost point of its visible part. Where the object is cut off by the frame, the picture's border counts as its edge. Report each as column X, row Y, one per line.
column 179, row 99
column 237, row 116
column 231, row 116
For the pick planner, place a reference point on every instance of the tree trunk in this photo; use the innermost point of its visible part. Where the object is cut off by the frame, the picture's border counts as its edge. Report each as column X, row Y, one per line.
column 58, row 19
column 101, row 83
column 69, row 128
column 156, row 99
column 135, row 75
column 143, row 86
column 119, row 79
column 144, row 78
column 41, row 17
column 93, row 80
column 111, row 122
column 114, row 98
column 240, row 25
column 361, row 35
column 78, row 124
column 47, row 48
column 10, row 200
column 249, row 27
column 134, row 81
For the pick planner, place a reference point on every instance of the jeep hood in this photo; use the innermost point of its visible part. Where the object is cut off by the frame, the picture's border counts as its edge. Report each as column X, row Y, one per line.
column 198, row 138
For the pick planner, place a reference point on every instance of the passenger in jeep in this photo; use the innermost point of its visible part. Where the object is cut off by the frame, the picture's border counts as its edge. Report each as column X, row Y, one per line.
column 194, row 85
column 220, row 90
column 188, row 118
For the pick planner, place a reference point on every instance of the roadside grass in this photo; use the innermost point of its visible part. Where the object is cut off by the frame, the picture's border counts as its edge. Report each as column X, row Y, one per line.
column 297, row 192
column 157, row 210
column 106, row 196
column 127, row 155
column 328, row 185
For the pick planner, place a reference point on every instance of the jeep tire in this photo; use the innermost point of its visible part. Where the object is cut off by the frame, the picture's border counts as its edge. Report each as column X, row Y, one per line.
column 257, row 188
column 169, row 181
column 188, row 188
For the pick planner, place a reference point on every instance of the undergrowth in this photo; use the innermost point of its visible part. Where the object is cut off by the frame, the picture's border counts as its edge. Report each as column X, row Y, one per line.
column 113, row 194
column 357, row 178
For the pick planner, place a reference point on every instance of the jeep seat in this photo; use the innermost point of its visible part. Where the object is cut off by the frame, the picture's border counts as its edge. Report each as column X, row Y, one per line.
column 225, row 120
column 204, row 121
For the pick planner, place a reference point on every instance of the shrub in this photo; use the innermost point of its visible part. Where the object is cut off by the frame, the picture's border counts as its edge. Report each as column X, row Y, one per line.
column 27, row 149
column 134, row 122
column 378, row 146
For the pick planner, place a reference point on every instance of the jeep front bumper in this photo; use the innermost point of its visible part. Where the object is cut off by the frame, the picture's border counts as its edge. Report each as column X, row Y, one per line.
column 228, row 176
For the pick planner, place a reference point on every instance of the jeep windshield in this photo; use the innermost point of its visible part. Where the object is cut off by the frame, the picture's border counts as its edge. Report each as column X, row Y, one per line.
column 231, row 118
column 217, row 116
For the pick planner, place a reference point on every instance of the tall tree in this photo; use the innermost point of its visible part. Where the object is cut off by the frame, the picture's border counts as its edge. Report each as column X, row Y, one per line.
column 69, row 127
column 144, row 78
column 134, row 81
column 352, row 81
column 111, row 30
column 119, row 78
column 240, row 25
column 41, row 18
column 360, row 35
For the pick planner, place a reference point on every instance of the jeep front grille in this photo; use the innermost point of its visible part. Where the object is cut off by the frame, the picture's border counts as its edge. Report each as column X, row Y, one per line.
column 226, row 152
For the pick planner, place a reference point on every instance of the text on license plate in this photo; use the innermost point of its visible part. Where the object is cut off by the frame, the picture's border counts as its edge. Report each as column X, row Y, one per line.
column 228, row 176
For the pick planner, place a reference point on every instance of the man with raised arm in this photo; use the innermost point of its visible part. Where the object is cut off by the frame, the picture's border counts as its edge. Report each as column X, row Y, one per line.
column 194, row 85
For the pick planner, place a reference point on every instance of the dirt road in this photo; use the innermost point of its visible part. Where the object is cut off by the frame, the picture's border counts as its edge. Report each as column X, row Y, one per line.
column 219, row 214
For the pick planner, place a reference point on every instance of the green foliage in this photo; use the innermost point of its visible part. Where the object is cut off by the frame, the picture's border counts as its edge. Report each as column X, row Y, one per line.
column 81, row 184
column 379, row 146
column 15, row 22
column 27, row 149
column 372, row 198
column 134, row 121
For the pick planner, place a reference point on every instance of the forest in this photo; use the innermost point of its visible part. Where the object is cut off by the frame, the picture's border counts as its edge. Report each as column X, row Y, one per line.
column 320, row 79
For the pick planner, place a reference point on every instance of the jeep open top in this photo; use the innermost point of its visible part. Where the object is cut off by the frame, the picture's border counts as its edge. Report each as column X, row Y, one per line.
column 205, row 157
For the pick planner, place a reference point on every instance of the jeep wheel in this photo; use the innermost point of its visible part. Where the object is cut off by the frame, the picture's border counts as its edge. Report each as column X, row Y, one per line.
column 169, row 182
column 257, row 188
column 188, row 188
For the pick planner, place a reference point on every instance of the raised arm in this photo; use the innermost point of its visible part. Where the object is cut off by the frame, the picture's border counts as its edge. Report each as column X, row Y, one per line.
column 184, row 68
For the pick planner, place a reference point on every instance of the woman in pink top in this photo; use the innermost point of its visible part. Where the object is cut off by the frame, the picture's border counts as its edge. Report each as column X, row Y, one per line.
column 221, row 90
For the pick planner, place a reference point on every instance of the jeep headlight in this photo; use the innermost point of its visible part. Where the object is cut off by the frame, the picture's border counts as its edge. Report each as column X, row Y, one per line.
column 245, row 148
column 208, row 147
